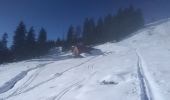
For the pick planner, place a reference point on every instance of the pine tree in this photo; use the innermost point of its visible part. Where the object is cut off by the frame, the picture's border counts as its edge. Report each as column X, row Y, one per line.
column 4, row 40
column 5, row 53
column 30, row 38
column 140, row 18
column 99, row 30
column 92, row 32
column 86, row 31
column 89, row 31
column 30, row 42
column 1, row 52
column 108, row 27
column 19, row 41
column 42, row 42
column 78, row 32
column 70, row 36
column 42, row 38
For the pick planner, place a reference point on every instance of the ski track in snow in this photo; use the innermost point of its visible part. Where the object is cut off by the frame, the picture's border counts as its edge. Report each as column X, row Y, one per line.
column 64, row 91
column 11, row 83
column 21, row 90
column 26, row 84
column 79, row 64
column 143, row 86
column 148, row 87
column 67, row 89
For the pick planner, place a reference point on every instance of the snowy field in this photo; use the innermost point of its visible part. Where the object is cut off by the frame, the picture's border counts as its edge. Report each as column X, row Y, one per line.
column 137, row 68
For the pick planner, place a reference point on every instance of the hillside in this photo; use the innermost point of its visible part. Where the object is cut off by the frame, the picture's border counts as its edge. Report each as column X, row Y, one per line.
column 136, row 68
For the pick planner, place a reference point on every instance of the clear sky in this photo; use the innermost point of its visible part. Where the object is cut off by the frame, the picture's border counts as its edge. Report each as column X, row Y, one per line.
column 56, row 15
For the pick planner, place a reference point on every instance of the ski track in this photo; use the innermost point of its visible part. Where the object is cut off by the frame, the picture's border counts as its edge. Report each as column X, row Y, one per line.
column 11, row 83
column 79, row 64
column 66, row 90
column 15, row 93
column 27, row 83
column 59, row 74
column 143, row 86
column 147, row 85
column 149, row 89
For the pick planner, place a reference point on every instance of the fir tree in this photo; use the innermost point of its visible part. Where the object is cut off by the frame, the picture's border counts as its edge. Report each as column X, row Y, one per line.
column 4, row 41
column 99, row 30
column 42, row 42
column 5, row 53
column 19, row 41
column 42, row 38
column 70, row 36
column 30, row 42
column 89, row 31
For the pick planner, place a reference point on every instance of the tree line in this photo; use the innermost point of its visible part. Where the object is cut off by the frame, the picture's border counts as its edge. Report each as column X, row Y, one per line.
column 109, row 28
column 25, row 44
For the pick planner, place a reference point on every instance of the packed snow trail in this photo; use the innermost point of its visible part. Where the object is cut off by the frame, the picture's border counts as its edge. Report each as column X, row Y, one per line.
column 20, row 91
column 149, row 89
column 61, row 94
column 70, row 87
column 11, row 83
column 143, row 86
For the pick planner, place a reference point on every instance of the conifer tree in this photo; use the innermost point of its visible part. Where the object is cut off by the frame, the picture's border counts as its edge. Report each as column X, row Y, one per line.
column 4, row 40
column 71, row 36
column 42, row 42
column 30, row 42
column 5, row 53
column 19, row 41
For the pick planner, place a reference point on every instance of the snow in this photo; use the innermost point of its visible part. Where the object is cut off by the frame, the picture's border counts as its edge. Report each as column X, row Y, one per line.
column 152, row 44
column 136, row 68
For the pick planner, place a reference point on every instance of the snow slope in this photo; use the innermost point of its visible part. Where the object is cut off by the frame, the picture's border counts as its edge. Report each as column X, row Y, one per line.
column 76, row 79
column 152, row 44
column 136, row 68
